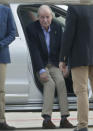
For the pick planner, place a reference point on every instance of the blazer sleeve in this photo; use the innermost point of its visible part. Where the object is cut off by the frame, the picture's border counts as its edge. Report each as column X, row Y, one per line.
column 33, row 48
column 10, row 31
column 68, row 34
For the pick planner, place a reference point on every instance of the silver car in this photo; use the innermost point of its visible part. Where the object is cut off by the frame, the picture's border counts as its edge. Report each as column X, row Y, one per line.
column 23, row 90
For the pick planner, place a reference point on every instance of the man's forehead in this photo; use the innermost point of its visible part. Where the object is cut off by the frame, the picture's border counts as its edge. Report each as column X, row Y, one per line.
column 45, row 10
column 45, row 13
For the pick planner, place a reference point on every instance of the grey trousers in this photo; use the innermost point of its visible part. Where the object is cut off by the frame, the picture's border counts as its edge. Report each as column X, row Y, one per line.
column 2, row 91
column 56, row 80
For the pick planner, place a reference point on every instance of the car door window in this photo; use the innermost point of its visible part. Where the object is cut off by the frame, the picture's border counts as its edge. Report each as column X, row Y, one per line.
column 28, row 14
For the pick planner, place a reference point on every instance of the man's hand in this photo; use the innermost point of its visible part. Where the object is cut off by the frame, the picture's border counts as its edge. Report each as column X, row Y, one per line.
column 64, row 69
column 44, row 77
column 62, row 66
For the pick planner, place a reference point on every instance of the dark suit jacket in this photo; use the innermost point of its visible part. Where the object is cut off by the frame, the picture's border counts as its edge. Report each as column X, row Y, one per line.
column 77, row 41
column 37, row 44
column 7, row 33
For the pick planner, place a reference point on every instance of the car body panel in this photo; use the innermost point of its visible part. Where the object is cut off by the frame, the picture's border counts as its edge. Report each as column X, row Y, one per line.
column 49, row 1
column 22, row 92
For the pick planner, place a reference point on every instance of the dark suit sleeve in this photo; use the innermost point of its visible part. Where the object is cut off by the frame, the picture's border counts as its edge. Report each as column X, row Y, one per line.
column 68, row 34
column 33, row 48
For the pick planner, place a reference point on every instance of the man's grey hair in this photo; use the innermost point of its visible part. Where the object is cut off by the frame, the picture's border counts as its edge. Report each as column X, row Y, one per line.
column 44, row 7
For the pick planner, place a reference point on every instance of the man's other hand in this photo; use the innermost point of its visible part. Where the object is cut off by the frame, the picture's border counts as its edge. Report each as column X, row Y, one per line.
column 62, row 66
column 44, row 77
column 64, row 69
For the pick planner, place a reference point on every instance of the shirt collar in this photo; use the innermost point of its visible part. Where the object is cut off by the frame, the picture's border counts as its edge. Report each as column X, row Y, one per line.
column 49, row 29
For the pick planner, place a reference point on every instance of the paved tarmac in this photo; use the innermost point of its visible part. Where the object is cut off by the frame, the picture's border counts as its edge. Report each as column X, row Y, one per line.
column 33, row 121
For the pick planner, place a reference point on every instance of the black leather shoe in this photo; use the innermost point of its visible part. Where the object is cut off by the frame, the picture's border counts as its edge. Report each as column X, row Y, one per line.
column 82, row 129
column 66, row 124
column 5, row 126
column 48, row 125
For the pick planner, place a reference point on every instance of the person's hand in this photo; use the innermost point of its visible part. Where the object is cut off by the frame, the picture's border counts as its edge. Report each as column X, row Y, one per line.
column 44, row 77
column 64, row 69
column 66, row 72
column 62, row 66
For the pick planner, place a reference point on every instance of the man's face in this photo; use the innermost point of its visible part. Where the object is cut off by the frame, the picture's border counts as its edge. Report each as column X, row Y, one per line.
column 45, row 18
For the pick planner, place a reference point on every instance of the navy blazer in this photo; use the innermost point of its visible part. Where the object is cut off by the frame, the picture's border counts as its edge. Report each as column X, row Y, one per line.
column 37, row 44
column 77, row 44
column 7, row 33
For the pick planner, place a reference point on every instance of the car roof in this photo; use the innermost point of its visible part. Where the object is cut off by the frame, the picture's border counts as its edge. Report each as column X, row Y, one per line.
column 48, row 1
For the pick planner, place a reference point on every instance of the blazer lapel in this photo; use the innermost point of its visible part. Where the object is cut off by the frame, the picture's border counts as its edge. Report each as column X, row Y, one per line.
column 43, row 42
column 51, row 36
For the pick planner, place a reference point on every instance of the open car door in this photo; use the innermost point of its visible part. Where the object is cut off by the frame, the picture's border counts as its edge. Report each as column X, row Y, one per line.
column 23, row 91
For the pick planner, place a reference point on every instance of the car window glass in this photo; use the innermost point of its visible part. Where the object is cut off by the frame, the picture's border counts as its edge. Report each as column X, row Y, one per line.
column 28, row 13
column 59, row 18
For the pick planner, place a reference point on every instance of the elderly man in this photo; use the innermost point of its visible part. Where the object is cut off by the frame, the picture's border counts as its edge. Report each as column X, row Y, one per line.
column 45, row 37
column 7, row 35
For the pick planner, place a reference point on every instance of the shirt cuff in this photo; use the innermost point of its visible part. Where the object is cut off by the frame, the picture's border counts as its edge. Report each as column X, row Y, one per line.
column 42, row 71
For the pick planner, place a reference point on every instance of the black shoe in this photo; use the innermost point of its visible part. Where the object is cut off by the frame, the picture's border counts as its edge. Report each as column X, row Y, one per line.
column 5, row 126
column 66, row 124
column 48, row 125
column 82, row 129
